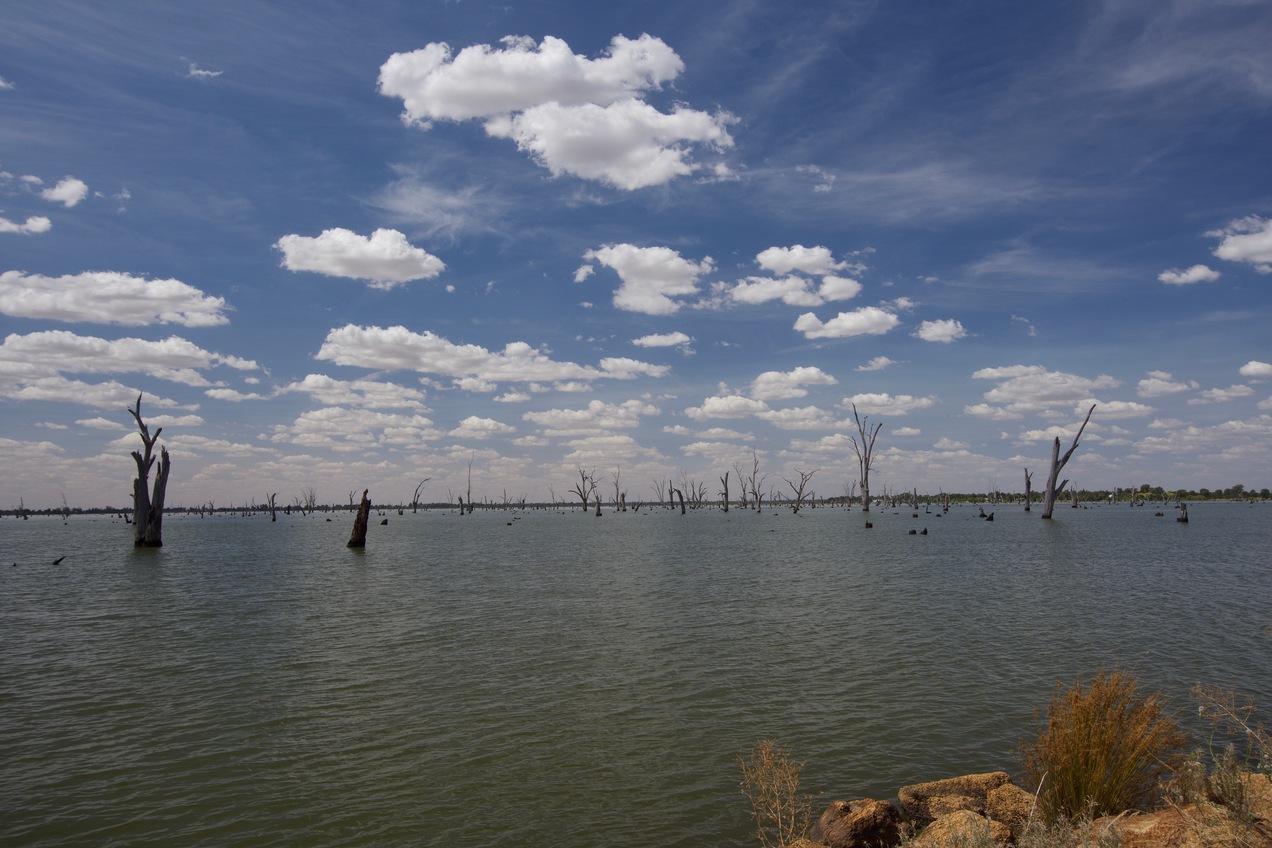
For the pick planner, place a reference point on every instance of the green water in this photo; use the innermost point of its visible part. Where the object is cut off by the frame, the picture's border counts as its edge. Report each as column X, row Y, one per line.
column 547, row 679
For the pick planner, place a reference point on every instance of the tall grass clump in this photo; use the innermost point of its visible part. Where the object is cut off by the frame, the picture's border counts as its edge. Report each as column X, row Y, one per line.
column 770, row 780
column 1105, row 748
column 1232, row 716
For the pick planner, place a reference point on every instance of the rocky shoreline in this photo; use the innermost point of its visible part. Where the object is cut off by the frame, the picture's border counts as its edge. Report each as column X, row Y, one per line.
column 988, row 809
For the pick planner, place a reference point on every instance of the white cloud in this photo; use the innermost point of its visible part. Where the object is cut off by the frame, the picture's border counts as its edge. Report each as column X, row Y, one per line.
column 1032, row 388
column 882, row 403
column 572, row 114
column 813, row 261
column 991, row 413
column 651, row 276
column 876, row 364
column 1256, row 369
column 69, row 191
column 1195, row 274
column 944, row 331
column 475, row 427
column 193, row 70
column 396, row 347
column 663, row 340
column 5, row 85
column 232, row 395
column 597, row 417
column 798, row 418
column 866, row 321
column 729, row 406
column 33, row 224
column 1222, row 395
column 779, row 385
column 384, row 260
column 1115, row 409
column 1161, row 384
column 838, row 288
column 793, row 291
column 53, row 352
column 351, row 430
column 1246, row 240
column 110, row 395
column 108, row 297
column 367, row 394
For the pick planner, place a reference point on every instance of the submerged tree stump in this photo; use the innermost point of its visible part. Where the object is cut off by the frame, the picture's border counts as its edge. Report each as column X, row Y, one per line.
column 147, row 517
column 358, row 539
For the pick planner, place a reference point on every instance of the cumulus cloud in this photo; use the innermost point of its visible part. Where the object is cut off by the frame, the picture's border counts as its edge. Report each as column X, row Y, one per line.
column 1032, row 388
column 475, row 427
column 33, row 224
column 53, row 352
column 384, row 260
column 813, row 261
column 728, row 406
column 877, row 364
column 663, row 340
column 571, row 114
column 367, row 394
column 350, row 430
column 1256, row 369
column 69, row 191
column 427, row 353
column 1161, row 384
column 1195, row 274
column 109, row 395
column 651, row 276
column 779, row 385
column 1222, row 395
column 866, row 321
column 1246, row 240
column 793, row 291
column 108, row 297
column 596, row 417
column 943, row 331
column 882, row 403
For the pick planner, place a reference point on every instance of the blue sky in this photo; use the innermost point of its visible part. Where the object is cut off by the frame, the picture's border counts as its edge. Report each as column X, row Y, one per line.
column 352, row 246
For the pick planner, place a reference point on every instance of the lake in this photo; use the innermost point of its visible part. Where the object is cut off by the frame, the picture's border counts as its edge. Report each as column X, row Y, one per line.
column 547, row 679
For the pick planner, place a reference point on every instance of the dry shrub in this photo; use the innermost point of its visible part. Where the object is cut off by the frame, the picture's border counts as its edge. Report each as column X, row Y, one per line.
column 770, row 779
column 1105, row 748
column 1233, row 716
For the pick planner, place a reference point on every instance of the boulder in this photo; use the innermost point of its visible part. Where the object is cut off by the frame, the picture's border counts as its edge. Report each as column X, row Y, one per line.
column 858, row 824
column 927, row 801
column 1010, row 805
column 962, row 827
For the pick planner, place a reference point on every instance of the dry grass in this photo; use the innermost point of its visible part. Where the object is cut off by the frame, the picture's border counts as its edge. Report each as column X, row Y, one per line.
column 770, row 779
column 1105, row 748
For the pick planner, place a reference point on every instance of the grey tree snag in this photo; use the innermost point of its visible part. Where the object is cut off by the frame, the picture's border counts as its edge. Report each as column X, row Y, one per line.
column 1028, row 488
column 358, row 538
column 865, row 453
column 147, row 503
column 724, row 493
column 1057, row 463
column 273, row 509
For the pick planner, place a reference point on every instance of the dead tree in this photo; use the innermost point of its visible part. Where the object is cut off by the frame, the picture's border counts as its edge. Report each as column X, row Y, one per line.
column 273, row 509
column 1028, row 488
column 358, row 538
column 415, row 498
column 1057, row 463
column 148, row 504
column 798, row 490
column 585, row 487
column 724, row 493
column 865, row 453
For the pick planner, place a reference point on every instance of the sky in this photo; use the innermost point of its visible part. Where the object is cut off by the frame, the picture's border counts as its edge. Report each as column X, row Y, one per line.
column 354, row 246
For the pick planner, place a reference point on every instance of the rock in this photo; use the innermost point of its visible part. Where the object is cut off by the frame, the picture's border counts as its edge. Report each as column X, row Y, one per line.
column 962, row 827
column 1169, row 828
column 1010, row 805
column 857, row 824
column 927, row 801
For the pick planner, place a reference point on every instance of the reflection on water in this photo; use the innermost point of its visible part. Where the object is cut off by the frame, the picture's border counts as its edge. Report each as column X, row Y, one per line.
column 550, row 679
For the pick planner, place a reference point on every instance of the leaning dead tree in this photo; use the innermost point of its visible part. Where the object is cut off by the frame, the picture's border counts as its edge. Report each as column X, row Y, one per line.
column 865, row 453
column 1057, row 463
column 358, row 538
column 798, row 489
column 148, row 504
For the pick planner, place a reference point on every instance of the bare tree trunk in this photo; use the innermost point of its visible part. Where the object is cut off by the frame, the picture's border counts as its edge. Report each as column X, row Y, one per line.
column 1057, row 463
column 865, row 453
column 724, row 481
column 1028, row 489
column 147, row 505
column 358, row 539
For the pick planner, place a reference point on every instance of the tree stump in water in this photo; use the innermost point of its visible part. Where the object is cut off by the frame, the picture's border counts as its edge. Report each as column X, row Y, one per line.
column 358, row 539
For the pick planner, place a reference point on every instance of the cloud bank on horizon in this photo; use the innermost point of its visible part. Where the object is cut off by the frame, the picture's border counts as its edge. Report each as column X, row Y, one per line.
column 653, row 246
